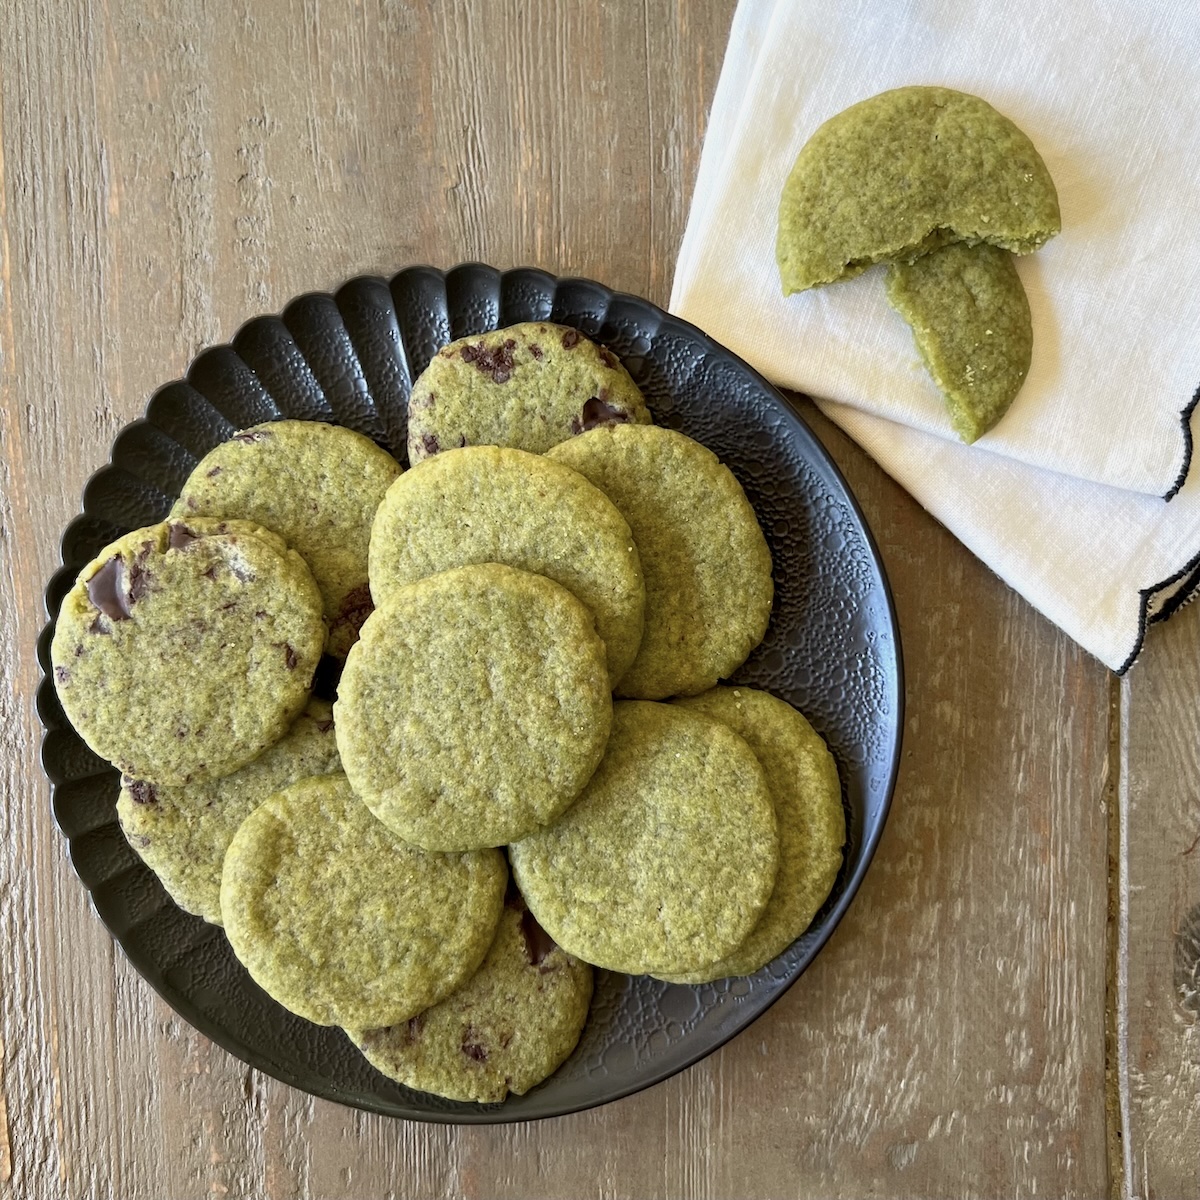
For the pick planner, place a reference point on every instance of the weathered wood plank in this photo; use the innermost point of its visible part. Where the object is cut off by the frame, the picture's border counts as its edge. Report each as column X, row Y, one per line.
column 167, row 170
column 1158, row 916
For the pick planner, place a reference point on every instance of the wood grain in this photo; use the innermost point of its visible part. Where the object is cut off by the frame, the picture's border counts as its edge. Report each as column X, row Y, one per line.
column 170, row 168
column 1158, row 905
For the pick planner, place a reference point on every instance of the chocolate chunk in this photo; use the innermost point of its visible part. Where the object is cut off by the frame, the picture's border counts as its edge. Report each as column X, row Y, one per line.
column 253, row 435
column 139, row 581
column 106, row 590
column 213, row 473
column 597, row 412
column 535, row 350
column 608, row 358
column 472, row 1048
column 429, row 443
column 354, row 610
column 570, row 339
column 538, row 943
column 497, row 363
column 62, row 674
column 142, row 792
column 471, row 353
column 179, row 536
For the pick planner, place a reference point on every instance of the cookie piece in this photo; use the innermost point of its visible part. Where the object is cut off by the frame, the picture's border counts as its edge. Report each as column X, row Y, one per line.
column 510, row 1026
column 182, row 833
column 474, row 707
column 970, row 320
column 804, row 784
column 528, row 386
column 181, row 655
column 903, row 173
column 487, row 504
column 318, row 487
column 667, row 860
column 343, row 923
column 705, row 560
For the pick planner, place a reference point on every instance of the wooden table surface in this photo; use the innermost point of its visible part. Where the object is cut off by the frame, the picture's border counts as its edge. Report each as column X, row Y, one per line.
column 1011, row 1006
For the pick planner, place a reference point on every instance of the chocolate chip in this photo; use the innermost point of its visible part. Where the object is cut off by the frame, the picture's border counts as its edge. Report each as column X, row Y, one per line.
column 179, row 536
column 213, row 473
column 142, row 792
column 429, row 443
column 354, row 610
column 139, row 581
column 62, row 674
column 597, row 412
column 535, row 350
column 570, row 339
column 608, row 358
column 252, row 435
column 106, row 591
column 497, row 362
column 471, row 353
column 538, row 943
column 472, row 1048
column 289, row 656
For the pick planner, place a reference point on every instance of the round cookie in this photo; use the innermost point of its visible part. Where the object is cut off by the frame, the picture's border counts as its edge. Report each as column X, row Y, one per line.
column 182, row 833
column 488, row 504
column 970, row 320
column 505, row 1030
column 706, row 563
column 181, row 655
column 474, row 707
column 343, row 923
column 528, row 386
column 943, row 167
column 667, row 860
column 804, row 784
column 318, row 487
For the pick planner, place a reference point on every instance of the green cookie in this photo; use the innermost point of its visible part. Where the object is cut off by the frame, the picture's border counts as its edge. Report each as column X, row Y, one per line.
column 474, row 707
column 706, row 562
column 318, row 487
column 903, row 173
column 970, row 320
column 182, row 833
column 505, row 1030
column 343, row 923
column 803, row 780
column 528, row 386
column 181, row 654
column 487, row 504
column 667, row 860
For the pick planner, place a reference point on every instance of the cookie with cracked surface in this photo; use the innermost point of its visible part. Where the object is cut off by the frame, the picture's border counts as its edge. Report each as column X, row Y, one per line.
column 944, row 166
column 474, row 707
column 803, row 780
column 705, row 560
column 493, row 504
column 318, row 487
column 512, row 1024
column 529, row 386
column 667, row 860
column 970, row 320
column 182, row 654
column 181, row 833
column 343, row 923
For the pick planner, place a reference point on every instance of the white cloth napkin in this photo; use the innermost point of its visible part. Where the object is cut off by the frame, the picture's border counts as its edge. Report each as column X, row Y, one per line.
column 1063, row 498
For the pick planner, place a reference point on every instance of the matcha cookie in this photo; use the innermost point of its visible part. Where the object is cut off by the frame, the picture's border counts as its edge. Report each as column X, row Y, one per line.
column 181, row 655
column 803, row 780
column 486, row 504
column 505, row 1030
column 529, row 386
column 182, row 833
column 667, row 860
column 903, row 173
column 343, row 923
column 318, row 487
column 705, row 560
column 474, row 707
column 970, row 320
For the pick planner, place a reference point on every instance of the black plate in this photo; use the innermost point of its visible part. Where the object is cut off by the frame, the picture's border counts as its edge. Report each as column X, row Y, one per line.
column 832, row 650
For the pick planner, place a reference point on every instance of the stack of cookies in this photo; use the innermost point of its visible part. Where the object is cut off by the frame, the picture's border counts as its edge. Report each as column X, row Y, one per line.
column 533, row 620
